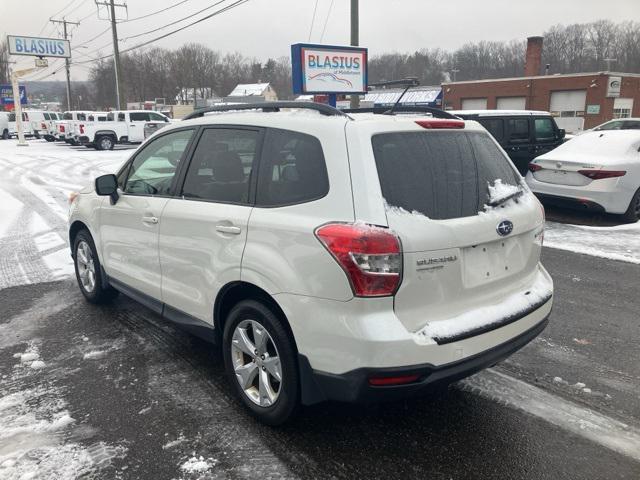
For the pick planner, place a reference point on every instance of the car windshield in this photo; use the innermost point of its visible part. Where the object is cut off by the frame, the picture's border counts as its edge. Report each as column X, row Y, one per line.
column 442, row 175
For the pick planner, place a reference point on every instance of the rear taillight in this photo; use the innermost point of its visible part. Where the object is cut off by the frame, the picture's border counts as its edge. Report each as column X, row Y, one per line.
column 600, row 174
column 438, row 123
column 81, row 128
column 62, row 128
column 534, row 167
column 43, row 126
column 370, row 256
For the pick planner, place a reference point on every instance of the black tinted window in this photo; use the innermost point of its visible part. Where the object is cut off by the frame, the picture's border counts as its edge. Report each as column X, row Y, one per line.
column 46, row 116
column 439, row 174
column 518, row 130
column 139, row 116
column 495, row 126
column 631, row 125
column 293, row 169
column 221, row 166
column 544, row 129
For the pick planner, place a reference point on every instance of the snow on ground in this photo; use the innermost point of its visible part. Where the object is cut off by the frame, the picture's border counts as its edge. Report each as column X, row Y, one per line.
column 621, row 242
column 35, row 183
column 35, row 427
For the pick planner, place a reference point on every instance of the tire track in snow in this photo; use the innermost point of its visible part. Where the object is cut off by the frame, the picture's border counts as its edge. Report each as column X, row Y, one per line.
column 581, row 421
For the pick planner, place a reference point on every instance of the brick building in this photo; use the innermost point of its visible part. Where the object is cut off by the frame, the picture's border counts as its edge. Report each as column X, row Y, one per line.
column 579, row 101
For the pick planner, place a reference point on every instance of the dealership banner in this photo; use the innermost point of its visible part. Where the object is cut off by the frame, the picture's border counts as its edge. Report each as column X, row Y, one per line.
column 328, row 69
column 6, row 95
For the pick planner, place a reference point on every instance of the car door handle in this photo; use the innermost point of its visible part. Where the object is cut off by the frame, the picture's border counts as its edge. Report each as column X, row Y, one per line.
column 228, row 229
column 150, row 219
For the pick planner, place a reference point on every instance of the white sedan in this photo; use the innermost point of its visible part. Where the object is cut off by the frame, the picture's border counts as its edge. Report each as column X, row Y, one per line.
column 597, row 171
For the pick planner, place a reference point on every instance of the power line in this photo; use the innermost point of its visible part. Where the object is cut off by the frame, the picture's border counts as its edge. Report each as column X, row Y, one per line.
column 237, row 3
column 174, row 22
column 326, row 21
column 67, row 6
column 313, row 19
column 154, row 13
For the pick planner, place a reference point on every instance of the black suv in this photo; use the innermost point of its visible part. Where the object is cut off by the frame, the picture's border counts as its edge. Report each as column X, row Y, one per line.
column 524, row 134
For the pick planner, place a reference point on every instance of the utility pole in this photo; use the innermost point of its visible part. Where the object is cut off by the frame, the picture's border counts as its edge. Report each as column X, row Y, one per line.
column 454, row 71
column 67, row 63
column 120, row 101
column 355, row 40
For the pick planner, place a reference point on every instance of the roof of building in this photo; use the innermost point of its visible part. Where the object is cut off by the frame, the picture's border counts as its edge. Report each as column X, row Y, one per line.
column 538, row 77
column 248, row 89
column 413, row 95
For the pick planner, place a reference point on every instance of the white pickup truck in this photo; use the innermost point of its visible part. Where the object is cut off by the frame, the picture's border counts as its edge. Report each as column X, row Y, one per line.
column 77, row 127
column 63, row 127
column 122, row 126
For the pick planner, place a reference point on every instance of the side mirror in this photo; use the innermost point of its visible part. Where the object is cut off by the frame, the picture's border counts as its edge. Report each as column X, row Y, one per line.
column 561, row 133
column 107, row 185
column 166, row 120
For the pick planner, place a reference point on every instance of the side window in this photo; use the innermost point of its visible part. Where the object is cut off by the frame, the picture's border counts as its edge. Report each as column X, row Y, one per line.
column 110, row 117
column 610, row 126
column 153, row 169
column 495, row 126
column 155, row 117
column 121, row 117
column 139, row 117
column 544, row 129
column 518, row 130
column 82, row 117
column 221, row 166
column 631, row 125
column 46, row 116
column 292, row 169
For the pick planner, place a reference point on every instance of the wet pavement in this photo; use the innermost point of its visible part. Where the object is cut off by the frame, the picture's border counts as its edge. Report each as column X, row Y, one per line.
column 123, row 394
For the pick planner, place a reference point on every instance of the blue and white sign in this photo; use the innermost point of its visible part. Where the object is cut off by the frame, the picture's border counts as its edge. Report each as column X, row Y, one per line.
column 6, row 95
column 328, row 69
column 39, row 47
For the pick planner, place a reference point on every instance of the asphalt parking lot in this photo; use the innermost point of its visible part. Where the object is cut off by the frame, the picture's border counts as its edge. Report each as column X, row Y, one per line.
column 117, row 392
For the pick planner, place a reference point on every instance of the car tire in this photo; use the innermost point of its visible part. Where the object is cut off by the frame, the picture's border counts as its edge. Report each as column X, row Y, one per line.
column 5, row 134
column 271, row 401
column 89, row 271
column 104, row 142
column 633, row 212
column 49, row 138
column 36, row 135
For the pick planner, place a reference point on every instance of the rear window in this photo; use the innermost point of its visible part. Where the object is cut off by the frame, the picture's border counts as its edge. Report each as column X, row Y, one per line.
column 440, row 174
column 67, row 116
column 12, row 117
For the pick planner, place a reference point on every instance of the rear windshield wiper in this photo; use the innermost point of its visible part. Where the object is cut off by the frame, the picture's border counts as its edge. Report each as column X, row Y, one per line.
column 501, row 200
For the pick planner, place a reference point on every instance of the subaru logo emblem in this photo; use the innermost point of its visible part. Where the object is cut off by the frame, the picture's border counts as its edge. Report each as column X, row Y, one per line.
column 504, row 228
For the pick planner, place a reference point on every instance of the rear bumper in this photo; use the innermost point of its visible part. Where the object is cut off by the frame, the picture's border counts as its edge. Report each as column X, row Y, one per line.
column 354, row 387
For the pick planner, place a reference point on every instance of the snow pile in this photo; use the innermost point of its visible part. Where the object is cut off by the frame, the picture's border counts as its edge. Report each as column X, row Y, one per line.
column 31, row 358
column 197, row 465
column 621, row 242
column 482, row 317
column 94, row 355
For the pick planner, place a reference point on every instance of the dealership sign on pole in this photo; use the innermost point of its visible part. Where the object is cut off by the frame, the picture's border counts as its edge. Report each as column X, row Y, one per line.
column 327, row 69
column 6, row 95
column 38, row 46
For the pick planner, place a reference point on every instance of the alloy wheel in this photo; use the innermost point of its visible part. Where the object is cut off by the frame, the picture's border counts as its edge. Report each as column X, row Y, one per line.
column 86, row 267
column 256, row 363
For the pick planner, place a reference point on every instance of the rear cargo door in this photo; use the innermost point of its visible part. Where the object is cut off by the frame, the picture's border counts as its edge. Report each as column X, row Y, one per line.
column 460, row 254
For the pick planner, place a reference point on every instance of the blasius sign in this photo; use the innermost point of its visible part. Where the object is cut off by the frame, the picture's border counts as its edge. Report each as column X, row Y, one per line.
column 328, row 69
column 38, row 47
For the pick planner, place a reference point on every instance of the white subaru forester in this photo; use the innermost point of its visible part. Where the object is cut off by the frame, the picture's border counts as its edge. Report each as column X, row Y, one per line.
column 352, row 257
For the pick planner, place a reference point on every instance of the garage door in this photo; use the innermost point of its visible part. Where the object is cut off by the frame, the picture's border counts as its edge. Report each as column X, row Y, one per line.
column 512, row 103
column 568, row 108
column 474, row 104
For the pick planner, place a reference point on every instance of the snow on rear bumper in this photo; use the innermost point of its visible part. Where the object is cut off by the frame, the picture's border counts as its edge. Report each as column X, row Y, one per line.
column 338, row 337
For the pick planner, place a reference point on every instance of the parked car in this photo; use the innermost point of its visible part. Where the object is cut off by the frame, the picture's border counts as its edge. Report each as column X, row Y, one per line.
column 597, row 170
column 524, row 134
column 4, row 125
column 619, row 124
column 49, row 128
column 77, row 127
column 121, row 127
column 27, row 127
column 64, row 127
column 322, row 252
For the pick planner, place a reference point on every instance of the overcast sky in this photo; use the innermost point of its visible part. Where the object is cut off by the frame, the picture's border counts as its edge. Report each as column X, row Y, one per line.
column 267, row 28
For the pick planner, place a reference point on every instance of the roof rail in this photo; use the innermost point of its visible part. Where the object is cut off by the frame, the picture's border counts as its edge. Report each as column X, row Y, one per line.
column 270, row 107
column 436, row 112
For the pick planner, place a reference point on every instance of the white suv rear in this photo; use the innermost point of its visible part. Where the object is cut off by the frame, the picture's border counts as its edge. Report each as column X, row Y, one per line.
column 351, row 258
